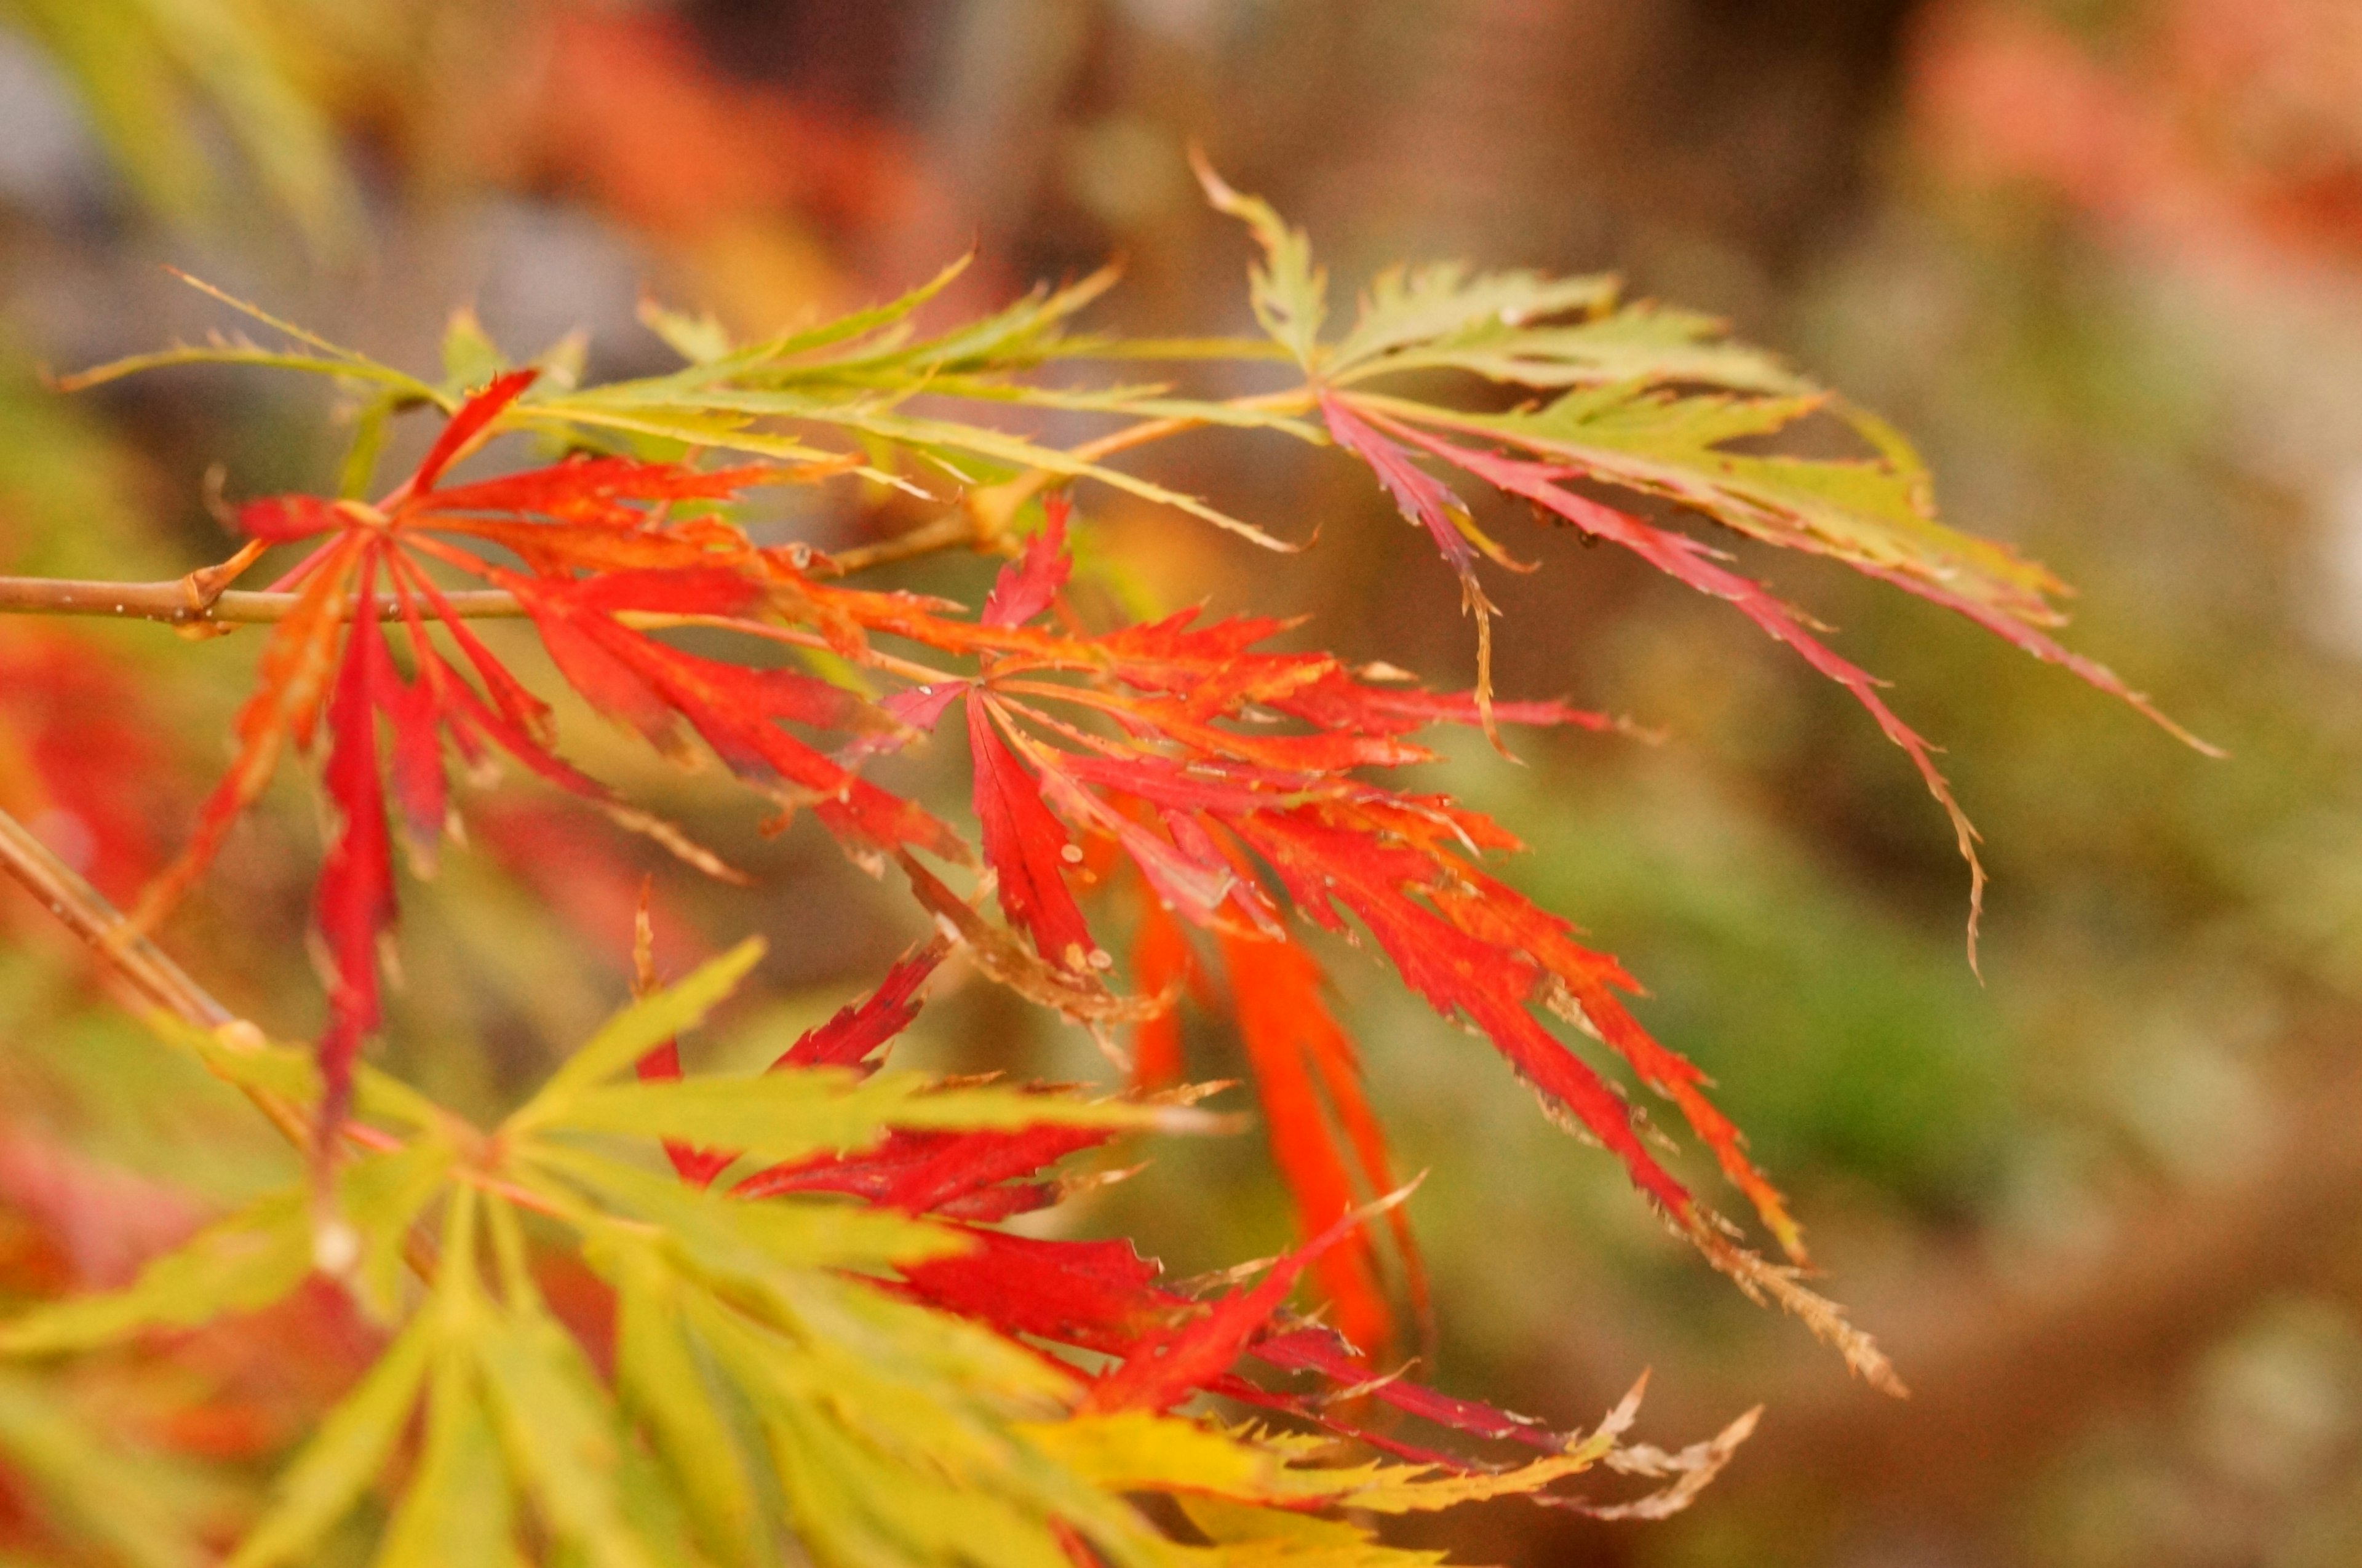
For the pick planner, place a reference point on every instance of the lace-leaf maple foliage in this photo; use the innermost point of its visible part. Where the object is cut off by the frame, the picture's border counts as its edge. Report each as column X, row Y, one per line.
column 878, row 1368
column 839, row 1347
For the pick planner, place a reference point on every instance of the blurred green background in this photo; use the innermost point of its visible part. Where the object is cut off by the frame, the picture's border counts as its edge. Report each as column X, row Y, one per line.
column 2103, row 258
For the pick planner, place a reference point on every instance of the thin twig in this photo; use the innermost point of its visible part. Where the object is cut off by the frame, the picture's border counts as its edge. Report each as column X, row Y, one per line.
column 144, row 966
column 203, row 599
column 955, row 527
column 150, row 973
column 168, row 602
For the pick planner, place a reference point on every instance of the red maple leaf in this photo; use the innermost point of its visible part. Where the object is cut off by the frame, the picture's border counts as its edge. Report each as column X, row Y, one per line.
column 2011, row 605
column 1161, row 1345
column 598, row 546
column 1235, row 780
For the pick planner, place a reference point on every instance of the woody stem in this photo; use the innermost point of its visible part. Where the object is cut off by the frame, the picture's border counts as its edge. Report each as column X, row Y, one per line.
column 201, row 599
column 168, row 602
column 148, row 973
column 135, row 960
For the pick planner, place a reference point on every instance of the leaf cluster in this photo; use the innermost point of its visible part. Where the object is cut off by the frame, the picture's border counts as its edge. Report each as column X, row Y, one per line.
column 812, row 1334
column 766, row 1382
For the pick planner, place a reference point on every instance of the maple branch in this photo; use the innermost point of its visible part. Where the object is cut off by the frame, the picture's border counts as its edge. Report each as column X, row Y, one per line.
column 202, row 598
column 172, row 604
column 161, row 601
column 133, row 957
column 992, row 509
column 85, row 911
column 958, row 527
column 983, row 518
column 151, row 972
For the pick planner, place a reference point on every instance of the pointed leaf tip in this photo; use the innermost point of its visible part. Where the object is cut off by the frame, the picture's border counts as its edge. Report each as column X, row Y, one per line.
column 640, row 1028
column 1026, row 586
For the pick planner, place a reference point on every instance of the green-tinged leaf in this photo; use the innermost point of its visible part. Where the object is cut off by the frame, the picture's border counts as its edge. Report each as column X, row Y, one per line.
column 1644, row 344
column 1246, row 1536
column 372, row 423
column 662, row 1380
column 1633, row 418
column 1143, row 402
column 241, row 1056
column 699, row 340
column 1410, row 307
column 931, row 433
column 513, row 1267
column 236, row 1051
column 457, row 1511
column 1137, row 1451
column 1290, row 294
column 560, row 1434
column 650, row 408
column 787, row 347
column 457, row 1299
column 1020, row 334
column 303, row 334
column 787, row 1115
column 471, row 358
column 653, row 1510
column 237, row 1264
column 838, row 671
column 378, row 1096
column 750, row 1239
column 382, row 1199
column 337, row 1466
column 1867, row 512
column 637, row 1030
column 1415, row 1489
column 853, row 1506
column 562, row 363
column 568, row 414
column 143, row 1509
column 231, row 352
column 877, row 1436
column 913, row 1351
column 878, row 1456
column 833, row 402
column 797, row 375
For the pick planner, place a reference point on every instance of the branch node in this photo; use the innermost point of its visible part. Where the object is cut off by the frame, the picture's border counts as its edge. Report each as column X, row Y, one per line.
column 205, row 585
